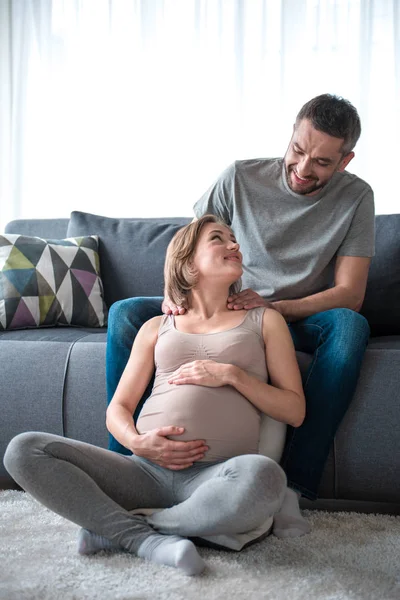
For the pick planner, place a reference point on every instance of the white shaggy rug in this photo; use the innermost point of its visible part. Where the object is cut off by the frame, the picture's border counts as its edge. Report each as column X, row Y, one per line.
column 348, row 556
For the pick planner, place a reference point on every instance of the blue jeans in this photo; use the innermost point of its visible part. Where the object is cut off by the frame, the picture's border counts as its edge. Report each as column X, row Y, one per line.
column 336, row 338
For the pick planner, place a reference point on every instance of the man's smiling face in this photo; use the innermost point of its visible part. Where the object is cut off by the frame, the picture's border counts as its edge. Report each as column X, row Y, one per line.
column 312, row 158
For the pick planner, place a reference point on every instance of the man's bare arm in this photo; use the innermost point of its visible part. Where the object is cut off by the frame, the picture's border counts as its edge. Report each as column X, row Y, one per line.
column 351, row 274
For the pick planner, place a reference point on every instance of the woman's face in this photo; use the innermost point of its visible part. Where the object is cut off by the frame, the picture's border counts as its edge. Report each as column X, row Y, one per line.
column 217, row 254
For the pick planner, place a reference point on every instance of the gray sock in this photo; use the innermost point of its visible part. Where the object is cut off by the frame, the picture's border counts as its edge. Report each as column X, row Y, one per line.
column 172, row 551
column 91, row 543
column 289, row 522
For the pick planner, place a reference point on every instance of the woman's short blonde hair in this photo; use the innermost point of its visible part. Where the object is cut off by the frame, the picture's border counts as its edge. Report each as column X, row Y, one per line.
column 179, row 274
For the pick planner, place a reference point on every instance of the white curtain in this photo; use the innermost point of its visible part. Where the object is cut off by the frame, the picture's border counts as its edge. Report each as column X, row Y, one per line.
column 133, row 107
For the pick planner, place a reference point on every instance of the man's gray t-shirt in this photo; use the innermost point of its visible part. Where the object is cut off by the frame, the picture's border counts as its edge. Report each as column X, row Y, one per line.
column 290, row 241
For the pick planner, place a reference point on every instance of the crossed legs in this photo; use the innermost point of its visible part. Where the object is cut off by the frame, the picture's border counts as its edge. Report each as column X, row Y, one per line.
column 97, row 489
column 231, row 497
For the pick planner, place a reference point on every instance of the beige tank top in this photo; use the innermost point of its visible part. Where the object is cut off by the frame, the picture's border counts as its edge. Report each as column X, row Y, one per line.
column 223, row 417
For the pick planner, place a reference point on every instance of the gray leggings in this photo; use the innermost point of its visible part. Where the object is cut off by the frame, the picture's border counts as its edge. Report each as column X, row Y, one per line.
column 96, row 489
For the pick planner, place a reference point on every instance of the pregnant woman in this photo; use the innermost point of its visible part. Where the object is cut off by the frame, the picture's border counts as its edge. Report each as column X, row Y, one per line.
column 211, row 366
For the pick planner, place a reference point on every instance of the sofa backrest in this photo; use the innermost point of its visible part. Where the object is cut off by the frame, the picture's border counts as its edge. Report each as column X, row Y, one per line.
column 45, row 228
column 382, row 299
column 132, row 252
column 132, row 256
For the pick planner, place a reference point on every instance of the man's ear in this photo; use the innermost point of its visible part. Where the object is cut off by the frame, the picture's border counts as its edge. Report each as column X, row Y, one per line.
column 345, row 161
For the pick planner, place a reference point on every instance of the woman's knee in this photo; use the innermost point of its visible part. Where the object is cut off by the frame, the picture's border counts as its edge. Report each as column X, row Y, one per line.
column 271, row 477
column 20, row 448
column 257, row 472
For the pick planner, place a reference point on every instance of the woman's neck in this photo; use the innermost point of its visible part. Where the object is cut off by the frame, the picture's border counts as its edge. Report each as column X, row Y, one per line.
column 207, row 303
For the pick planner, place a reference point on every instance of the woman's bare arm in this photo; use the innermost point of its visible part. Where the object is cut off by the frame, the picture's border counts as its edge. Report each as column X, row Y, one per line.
column 131, row 387
column 153, row 445
column 282, row 399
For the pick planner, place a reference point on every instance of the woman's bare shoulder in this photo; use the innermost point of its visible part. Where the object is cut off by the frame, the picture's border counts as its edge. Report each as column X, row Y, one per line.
column 154, row 322
column 151, row 326
column 273, row 320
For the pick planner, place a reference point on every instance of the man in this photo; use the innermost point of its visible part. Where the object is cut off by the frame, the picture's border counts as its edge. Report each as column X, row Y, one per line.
column 306, row 230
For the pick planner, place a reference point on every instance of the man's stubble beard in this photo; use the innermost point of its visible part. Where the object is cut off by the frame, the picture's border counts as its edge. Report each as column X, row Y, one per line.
column 312, row 190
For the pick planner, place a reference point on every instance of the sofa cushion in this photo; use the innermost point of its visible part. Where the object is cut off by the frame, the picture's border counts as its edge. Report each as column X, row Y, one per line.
column 50, row 282
column 64, row 335
column 132, row 251
column 382, row 299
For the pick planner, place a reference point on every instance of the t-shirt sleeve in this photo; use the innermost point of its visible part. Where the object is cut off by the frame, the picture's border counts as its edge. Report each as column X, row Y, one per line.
column 218, row 198
column 360, row 238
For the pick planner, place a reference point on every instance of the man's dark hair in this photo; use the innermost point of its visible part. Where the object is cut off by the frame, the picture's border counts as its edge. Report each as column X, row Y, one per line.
column 335, row 116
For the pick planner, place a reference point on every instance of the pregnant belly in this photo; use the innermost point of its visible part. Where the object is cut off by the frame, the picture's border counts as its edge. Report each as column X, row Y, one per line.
column 222, row 417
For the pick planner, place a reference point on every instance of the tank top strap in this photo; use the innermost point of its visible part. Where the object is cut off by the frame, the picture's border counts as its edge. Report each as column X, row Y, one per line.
column 167, row 323
column 254, row 319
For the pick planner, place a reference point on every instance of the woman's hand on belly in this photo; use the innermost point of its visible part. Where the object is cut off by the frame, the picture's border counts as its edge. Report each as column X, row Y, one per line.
column 202, row 372
column 155, row 446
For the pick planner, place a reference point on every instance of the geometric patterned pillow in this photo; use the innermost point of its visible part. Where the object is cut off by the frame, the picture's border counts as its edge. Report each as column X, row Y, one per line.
column 44, row 283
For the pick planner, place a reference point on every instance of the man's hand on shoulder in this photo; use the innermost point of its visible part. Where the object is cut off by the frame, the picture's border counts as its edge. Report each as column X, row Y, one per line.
column 247, row 299
column 169, row 308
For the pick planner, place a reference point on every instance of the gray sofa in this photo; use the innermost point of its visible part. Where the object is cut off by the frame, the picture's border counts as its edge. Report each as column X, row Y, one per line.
column 53, row 378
